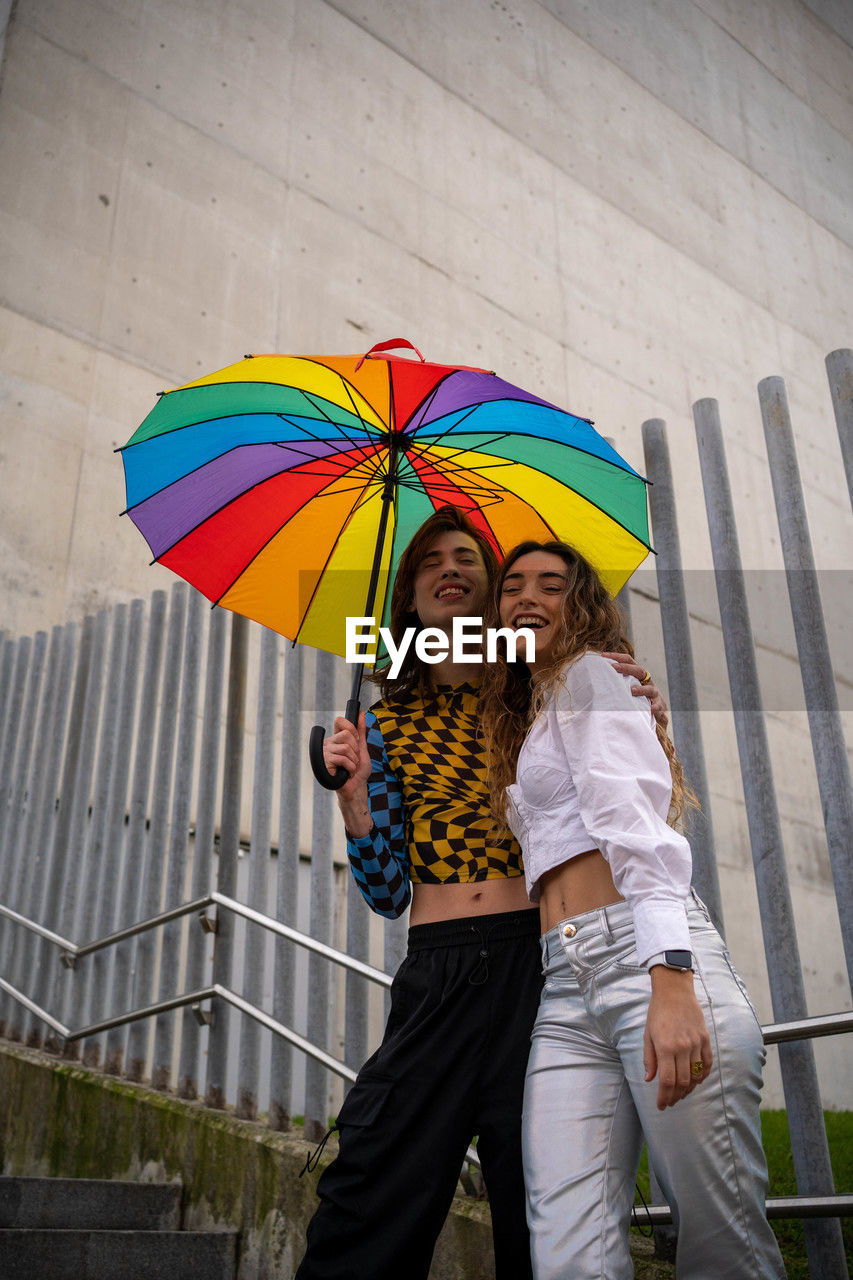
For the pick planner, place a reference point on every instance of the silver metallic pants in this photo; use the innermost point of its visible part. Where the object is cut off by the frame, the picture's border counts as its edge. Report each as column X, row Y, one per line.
column 587, row 1110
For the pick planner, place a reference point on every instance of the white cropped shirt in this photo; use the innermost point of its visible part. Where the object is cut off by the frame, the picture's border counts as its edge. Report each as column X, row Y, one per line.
column 592, row 774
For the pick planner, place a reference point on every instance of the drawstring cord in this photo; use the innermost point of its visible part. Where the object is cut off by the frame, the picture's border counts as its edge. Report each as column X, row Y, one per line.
column 635, row 1217
column 480, row 974
column 314, row 1156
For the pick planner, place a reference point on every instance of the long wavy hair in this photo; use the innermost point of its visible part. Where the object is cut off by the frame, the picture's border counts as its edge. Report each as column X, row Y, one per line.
column 415, row 675
column 512, row 697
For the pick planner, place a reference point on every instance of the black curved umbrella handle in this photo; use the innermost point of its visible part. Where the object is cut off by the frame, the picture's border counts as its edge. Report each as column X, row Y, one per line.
column 331, row 781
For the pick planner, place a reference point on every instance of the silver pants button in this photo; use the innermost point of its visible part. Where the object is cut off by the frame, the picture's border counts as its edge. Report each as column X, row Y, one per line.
column 569, row 930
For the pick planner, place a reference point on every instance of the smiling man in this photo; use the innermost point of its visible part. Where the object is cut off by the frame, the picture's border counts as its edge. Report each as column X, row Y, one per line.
column 453, row 1057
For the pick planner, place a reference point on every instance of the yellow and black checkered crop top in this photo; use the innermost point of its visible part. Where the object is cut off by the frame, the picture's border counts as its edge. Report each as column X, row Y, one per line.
column 429, row 800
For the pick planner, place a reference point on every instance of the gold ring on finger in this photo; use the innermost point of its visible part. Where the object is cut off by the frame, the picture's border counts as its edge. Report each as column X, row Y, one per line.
column 647, row 678
column 697, row 1069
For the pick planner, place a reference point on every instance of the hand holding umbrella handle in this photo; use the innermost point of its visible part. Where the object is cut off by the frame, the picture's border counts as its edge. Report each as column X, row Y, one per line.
column 387, row 346
column 331, row 781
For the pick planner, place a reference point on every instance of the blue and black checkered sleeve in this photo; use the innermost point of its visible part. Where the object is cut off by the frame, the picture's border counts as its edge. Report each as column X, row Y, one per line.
column 380, row 860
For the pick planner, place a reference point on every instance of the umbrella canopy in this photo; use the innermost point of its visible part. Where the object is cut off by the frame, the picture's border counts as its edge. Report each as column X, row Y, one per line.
column 281, row 485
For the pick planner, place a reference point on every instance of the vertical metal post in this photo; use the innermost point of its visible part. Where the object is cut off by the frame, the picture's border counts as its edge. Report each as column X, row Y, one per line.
column 93, row 884
column 321, row 925
column 799, row 1077
column 396, row 934
column 281, row 1074
column 8, row 748
column 827, row 733
column 99, row 978
column 55, row 916
column 16, row 656
column 151, row 870
column 839, row 368
column 680, row 673
column 229, row 849
column 188, row 1077
column 164, row 1027
column 37, row 956
column 30, row 856
column 623, row 597
column 14, row 852
column 16, row 805
column 121, row 972
column 355, row 1025
column 75, row 869
column 248, row 1076
column 6, row 667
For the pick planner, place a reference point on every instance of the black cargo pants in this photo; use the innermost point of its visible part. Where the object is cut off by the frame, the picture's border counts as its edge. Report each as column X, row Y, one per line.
column 451, row 1065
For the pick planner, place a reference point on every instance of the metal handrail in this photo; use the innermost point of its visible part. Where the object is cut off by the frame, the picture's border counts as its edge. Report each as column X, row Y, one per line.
column 55, row 938
column 841, row 1206
column 177, row 1002
column 655, row 1215
column 822, row 1024
column 31, row 1005
column 73, row 951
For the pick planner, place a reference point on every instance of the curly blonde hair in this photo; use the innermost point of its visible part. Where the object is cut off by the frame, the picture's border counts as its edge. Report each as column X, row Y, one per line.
column 511, row 697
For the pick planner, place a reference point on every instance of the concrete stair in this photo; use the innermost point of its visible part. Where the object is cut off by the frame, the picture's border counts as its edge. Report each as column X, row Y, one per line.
column 88, row 1229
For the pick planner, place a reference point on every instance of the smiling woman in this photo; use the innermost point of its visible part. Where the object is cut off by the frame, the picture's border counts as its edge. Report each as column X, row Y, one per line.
column 532, row 596
column 638, row 984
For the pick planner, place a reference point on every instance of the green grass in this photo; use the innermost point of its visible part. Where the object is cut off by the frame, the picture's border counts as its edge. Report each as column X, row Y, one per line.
column 780, row 1164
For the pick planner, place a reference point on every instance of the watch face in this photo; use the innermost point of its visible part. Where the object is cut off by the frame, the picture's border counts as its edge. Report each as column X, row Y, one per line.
column 679, row 959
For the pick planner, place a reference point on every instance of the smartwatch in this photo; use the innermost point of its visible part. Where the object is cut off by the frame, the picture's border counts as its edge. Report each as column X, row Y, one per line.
column 682, row 960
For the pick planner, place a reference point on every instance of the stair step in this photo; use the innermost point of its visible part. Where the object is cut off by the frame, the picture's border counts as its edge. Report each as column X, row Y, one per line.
column 117, row 1255
column 92, row 1204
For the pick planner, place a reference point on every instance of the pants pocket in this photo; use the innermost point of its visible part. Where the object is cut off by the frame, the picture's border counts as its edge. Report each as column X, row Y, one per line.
column 741, row 985
column 365, row 1101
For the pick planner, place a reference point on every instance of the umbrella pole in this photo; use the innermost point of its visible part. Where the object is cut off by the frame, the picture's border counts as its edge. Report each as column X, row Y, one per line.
column 333, row 781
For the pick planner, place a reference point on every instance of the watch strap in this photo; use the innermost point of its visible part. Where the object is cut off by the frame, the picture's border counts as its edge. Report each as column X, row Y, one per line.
column 682, row 960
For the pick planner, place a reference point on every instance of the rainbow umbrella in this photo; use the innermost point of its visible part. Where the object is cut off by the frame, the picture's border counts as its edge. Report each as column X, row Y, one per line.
column 285, row 488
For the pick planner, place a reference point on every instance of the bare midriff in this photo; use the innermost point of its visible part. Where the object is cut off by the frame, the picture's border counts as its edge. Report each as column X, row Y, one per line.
column 432, row 902
column 584, row 883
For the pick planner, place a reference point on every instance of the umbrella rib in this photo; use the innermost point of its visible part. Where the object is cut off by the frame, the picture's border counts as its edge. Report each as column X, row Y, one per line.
column 347, row 386
column 303, row 359
column 440, row 465
column 356, row 409
column 424, row 405
column 476, row 491
column 222, row 417
column 464, row 418
column 355, row 507
column 482, row 445
column 620, row 463
column 542, row 404
column 325, row 492
column 313, row 436
column 276, row 443
column 627, row 468
column 332, row 421
column 426, row 456
column 275, row 534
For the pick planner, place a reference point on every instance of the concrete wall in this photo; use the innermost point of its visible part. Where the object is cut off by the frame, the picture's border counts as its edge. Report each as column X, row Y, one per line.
column 624, row 206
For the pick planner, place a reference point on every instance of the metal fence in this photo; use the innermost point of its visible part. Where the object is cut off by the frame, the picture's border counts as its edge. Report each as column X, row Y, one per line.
column 121, row 802
column 208, row 965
